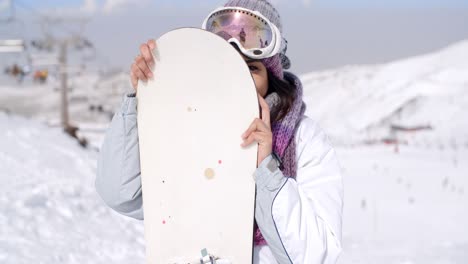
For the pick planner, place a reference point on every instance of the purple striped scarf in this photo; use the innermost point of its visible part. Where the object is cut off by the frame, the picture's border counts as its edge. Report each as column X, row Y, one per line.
column 283, row 137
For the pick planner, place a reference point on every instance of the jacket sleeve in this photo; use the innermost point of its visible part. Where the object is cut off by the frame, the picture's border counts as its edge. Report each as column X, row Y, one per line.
column 118, row 180
column 301, row 218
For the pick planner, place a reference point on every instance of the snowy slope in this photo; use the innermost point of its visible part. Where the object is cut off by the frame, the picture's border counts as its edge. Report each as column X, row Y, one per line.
column 408, row 207
column 399, row 208
column 49, row 209
column 92, row 97
column 402, row 205
column 359, row 103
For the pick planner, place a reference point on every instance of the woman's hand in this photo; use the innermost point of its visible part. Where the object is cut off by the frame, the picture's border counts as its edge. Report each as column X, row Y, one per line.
column 144, row 62
column 260, row 132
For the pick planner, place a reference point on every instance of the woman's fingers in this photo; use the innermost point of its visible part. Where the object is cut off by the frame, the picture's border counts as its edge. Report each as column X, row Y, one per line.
column 252, row 128
column 152, row 44
column 259, row 132
column 134, row 79
column 146, row 52
column 141, row 68
column 138, row 73
column 265, row 110
column 257, row 124
column 144, row 67
column 259, row 137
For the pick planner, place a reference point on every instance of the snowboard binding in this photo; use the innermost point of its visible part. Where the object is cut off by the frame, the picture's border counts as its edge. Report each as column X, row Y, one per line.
column 207, row 258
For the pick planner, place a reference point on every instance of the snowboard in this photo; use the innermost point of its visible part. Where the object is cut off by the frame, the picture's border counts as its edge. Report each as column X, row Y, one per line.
column 197, row 180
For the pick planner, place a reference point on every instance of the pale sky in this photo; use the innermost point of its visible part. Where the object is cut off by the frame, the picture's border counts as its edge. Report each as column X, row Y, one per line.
column 321, row 33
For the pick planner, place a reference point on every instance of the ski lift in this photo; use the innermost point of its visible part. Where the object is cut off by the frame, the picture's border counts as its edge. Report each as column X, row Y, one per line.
column 12, row 45
column 12, row 38
column 6, row 10
column 10, row 26
column 12, row 30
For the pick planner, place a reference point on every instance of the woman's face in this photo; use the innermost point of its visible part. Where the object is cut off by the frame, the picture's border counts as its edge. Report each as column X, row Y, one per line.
column 259, row 74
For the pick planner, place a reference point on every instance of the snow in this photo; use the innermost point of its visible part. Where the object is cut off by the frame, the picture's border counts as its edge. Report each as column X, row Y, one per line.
column 404, row 203
column 86, row 92
column 358, row 103
column 49, row 209
column 405, row 207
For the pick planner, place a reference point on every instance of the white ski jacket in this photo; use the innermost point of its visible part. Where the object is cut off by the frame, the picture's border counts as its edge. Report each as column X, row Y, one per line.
column 299, row 218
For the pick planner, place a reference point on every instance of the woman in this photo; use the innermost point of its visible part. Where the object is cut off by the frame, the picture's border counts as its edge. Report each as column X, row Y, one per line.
column 299, row 186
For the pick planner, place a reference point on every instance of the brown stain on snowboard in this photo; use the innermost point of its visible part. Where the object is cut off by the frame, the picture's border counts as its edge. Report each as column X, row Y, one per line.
column 209, row 173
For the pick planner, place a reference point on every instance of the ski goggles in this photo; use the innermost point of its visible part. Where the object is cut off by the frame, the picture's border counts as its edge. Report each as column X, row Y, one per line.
column 253, row 33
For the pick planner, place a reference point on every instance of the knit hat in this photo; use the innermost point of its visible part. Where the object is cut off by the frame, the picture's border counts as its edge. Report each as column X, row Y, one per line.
column 277, row 63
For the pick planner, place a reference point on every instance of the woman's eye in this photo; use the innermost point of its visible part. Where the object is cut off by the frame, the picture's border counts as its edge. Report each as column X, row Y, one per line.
column 253, row 68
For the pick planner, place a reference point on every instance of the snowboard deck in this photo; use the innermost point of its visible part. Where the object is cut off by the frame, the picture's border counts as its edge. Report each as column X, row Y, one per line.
column 197, row 181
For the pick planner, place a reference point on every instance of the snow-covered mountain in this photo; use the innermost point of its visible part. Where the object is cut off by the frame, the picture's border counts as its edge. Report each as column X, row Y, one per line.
column 402, row 205
column 420, row 100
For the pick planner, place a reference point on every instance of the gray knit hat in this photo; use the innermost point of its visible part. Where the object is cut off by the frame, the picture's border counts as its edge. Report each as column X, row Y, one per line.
column 277, row 63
